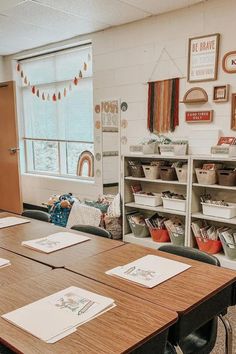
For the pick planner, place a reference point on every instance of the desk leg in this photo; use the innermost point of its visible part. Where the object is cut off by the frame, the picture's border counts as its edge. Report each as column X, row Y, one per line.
column 228, row 335
column 178, row 349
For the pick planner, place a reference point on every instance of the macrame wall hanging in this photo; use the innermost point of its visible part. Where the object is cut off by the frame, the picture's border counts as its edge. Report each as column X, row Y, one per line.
column 57, row 95
column 163, row 101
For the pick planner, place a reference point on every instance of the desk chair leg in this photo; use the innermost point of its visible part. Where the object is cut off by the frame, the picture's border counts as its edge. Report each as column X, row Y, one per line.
column 228, row 335
column 178, row 349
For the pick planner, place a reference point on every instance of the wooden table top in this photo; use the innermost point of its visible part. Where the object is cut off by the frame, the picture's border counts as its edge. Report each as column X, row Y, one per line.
column 11, row 238
column 21, row 268
column 181, row 293
column 119, row 330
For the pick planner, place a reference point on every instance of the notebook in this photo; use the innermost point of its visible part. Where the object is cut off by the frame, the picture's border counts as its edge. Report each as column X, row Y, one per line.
column 55, row 242
column 149, row 270
column 58, row 315
column 4, row 262
column 12, row 221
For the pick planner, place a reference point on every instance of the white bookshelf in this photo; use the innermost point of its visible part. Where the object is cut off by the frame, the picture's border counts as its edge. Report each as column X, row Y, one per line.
column 151, row 185
column 220, row 192
column 191, row 189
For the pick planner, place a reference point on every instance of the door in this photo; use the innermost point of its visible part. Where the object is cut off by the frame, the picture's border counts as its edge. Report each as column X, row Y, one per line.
column 10, row 191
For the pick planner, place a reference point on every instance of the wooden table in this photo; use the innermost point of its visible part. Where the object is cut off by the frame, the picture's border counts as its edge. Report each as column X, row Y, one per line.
column 20, row 269
column 11, row 238
column 131, row 325
column 197, row 295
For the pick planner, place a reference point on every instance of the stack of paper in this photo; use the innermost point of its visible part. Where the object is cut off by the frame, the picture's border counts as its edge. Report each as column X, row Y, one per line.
column 56, row 316
column 55, row 241
column 149, row 271
column 4, row 262
column 12, row 221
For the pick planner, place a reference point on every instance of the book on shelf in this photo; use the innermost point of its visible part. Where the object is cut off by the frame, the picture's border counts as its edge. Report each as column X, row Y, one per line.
column 12, row 221
column 58, row 315
column 227, row 140
column 4, row 262
column 149, row 270
column 55, row 242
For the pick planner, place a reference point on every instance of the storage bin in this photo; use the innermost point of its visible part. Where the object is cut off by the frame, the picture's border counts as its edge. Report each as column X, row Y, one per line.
column 150, row 148
column 226, row 212
column 151, row 172
column 150, row 200
column 173, row 149
column 174, row 204
column 182, row 174
column 168, row 173
column 206, row 176
column 159, row 235
column 138, row 230
column 176, row 239
column 226, row 177
column 209, row 246
column 136, row 169
column 230, row 252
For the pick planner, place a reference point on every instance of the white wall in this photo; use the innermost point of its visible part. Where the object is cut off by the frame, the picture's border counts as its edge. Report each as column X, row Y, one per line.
column 124, row 58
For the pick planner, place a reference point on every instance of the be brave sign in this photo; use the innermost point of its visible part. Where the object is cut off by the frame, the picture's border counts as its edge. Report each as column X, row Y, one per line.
column 203, row 58
column 229, row 62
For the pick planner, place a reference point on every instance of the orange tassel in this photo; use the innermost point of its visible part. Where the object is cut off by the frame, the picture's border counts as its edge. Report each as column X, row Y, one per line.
column 80, row 74
column 64, row 92
column 25, row 80
column 59, row 95
column 37, row 93
column 33, row 89
column 85, row 66
column 22, row 74
column 18, row 67
column 75, row 81
column 43, row 96
column 54, row 97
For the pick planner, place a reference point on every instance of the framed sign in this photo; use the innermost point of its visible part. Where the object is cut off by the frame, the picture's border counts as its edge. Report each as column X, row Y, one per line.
column 229, row 62
column 233, row 111
column 220, row 93
column 203, row 55
column 198, row 116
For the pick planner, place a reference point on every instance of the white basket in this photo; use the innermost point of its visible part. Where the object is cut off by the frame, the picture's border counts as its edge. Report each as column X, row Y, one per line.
column 150, row 200
column 174, row 204
column 173, row 149
column 151, row 148
column 206, row 176
column 151, row 172
column 182, row 174
column 225, row 212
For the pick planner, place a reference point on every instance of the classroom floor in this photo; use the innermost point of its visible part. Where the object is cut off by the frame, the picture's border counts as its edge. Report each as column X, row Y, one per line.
column 219, row 347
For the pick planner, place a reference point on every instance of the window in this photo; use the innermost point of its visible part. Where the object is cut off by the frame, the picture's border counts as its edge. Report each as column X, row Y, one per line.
column 57, row 112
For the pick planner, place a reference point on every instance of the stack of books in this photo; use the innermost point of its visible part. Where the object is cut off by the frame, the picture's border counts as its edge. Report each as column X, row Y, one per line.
column 55, row 242
column 4, row 263
column 149, row 270
column 56, row 316
column 12, row 221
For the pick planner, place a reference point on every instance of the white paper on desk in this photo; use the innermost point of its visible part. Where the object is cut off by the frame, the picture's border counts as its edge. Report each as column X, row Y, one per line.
column 58, row 315
column 4, row 262
column 149, row 270
column 12, row 221
column 55, row 242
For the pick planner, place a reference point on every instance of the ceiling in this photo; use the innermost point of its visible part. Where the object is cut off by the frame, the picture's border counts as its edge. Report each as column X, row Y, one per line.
column 26, row 24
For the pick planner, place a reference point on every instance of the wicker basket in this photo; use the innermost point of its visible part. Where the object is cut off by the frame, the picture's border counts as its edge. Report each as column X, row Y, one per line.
column 168, row 173
column 135, row 169
column 227, row 177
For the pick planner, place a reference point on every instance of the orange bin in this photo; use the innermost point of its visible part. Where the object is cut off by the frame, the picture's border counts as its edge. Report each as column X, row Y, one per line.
column 159, row 235
column 209, row 246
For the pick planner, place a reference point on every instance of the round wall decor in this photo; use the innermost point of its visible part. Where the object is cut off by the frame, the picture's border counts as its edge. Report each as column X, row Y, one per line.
column 97, row 108
column 98, row 156
column 124, row 140
column 124, row 106
column 97, row 124
column 124, row 123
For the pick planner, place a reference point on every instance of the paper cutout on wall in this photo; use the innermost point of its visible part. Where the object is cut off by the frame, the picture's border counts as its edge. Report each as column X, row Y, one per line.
column 85, row 166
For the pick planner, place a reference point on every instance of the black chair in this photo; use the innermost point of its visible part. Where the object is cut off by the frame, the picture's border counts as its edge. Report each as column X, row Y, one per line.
column 201, row 341
column 5, row 350
column 37, row 214
column 94, row 230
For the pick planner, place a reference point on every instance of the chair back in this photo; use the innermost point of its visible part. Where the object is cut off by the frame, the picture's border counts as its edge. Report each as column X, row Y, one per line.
column 192, row 253
column 94, row 230
column 37, row 214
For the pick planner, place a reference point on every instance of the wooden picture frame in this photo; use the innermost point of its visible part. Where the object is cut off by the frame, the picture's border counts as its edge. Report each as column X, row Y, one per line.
column 195, row 95
column 233, row 111
column 203, row 54
column 229, row 62
column 198, row 116
column 220, row 93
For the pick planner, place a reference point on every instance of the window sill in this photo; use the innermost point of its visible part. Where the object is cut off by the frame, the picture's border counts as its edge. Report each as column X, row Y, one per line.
column 63, row 178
